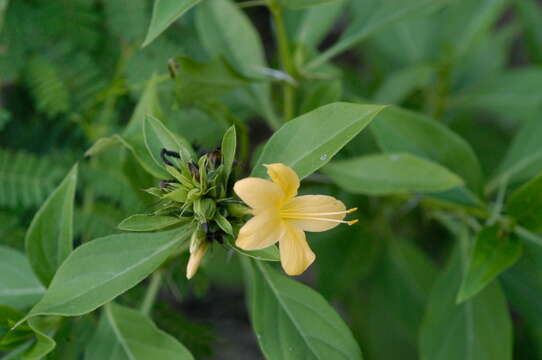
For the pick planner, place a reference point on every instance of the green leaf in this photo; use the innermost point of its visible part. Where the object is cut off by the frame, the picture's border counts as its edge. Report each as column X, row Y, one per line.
column 398, row 85
column 309, row 141
column 530, row 14
column 523, row 284
column 49, row 239
column 19, row 287
column 509, row 95
column 12, row 339
column 228, row 148
column 3, row 7
column 43, row 329
column 292, row 321
column 493, row 252
column 478, row 329
column 299, row 4
column 398, row 130
column 144, row 222
column 525, row 204
column 226, row 31
column 98, row 271
column 524, row 157
column 124, row 333
column 372, row 16
column 270, row 253
column 164, row 13
column 203, row 81
column 316, row 22
column 158, row 137
column 391, row 173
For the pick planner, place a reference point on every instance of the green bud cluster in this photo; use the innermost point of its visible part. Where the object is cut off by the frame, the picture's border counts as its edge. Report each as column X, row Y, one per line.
column 198, row 192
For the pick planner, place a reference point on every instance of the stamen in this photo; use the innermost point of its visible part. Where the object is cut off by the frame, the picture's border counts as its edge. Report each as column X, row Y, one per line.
column 350, row 222
column 287, row 213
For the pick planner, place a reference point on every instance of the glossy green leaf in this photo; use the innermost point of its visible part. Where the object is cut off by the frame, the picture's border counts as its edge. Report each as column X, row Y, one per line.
column 525, row 204
column 19, row 287
column 299, row 4
column 49, row 239
column 309, row 141
column 371, row 16
column 228, row 148
column 98, row 271
column 478, row 329
column 145, row 222
column 398, row 130
column 225, row 30
column 124, row 333
column 203, row 81
column 391, row 173
column 164, row 13
column 292, row 321
column 493, row 252
column 158, row 137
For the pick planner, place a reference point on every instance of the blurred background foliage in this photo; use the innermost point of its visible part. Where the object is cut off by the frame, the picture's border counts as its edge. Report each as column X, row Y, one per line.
column 72, row 71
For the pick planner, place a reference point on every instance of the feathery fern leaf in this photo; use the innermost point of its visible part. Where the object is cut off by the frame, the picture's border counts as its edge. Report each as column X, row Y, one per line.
column 25, row 179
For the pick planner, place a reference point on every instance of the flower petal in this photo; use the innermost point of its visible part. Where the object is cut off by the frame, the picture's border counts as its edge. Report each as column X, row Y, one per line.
column 262, row 231
column 258, row 193
column 195, row 260
column 304, row 212
column 295, row 254
column 284, row 177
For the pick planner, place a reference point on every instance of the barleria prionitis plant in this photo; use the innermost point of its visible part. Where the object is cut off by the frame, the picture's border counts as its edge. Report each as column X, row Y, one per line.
column 162, row 160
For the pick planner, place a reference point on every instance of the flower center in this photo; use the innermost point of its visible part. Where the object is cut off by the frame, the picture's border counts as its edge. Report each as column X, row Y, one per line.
column 318, row 216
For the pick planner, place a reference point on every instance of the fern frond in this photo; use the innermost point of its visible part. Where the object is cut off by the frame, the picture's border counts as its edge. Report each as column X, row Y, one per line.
column 47, row 88
column 25, row 179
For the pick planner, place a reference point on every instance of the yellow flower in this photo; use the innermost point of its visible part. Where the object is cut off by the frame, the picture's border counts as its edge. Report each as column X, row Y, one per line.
column 281, row 216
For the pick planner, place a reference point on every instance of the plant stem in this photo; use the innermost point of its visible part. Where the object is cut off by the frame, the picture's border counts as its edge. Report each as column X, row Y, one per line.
column 152, row 293
column 285, row 58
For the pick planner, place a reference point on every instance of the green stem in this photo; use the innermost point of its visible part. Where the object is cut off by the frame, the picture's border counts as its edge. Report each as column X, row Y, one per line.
column 285, row 58
column 152, row 293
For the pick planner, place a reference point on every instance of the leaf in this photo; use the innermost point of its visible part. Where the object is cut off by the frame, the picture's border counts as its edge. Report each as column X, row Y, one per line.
column 12, row 339
column 299, row 4
column 478, row 329
column 228, row 148
column 525, row 204
column 530, row 14
column 49, row 239
column 398, row 85
column 524, row 157
column 158, row 137
column 164, row 13
column 132, row 136
column 44, row 344
column 372, row 16
column 225, row 30
column 144, row 222
column 316, row 22
column 398, row 130
column 508, row 95
column 203, row 81
column 19, row 287
column 523, row 284
column 493, row 252
column 309, row 141
column 124, row 333
column 391, row 173
column 292, row 321
column 98, row 271
column 270, row 253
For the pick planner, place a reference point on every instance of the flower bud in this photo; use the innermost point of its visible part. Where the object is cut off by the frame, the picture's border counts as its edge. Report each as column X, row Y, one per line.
column 237, row 210
column 205, row 208
column 195, row 259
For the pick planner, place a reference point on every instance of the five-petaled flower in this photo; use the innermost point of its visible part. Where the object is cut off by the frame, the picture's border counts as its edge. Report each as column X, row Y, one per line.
column 281, row 216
